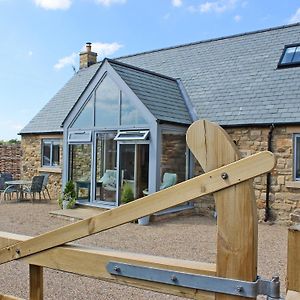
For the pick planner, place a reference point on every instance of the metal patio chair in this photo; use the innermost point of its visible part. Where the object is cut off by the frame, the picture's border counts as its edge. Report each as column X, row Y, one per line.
column 45, row 183
column 36, row 187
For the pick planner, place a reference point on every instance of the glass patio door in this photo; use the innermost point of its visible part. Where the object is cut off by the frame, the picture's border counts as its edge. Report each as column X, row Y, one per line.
column 106, row 169
column 133, row 168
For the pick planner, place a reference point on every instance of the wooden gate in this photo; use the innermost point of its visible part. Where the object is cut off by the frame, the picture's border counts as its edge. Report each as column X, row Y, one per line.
column 234, row 276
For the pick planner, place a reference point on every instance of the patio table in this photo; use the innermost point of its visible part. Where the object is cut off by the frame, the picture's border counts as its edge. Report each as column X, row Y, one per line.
column 19, row 184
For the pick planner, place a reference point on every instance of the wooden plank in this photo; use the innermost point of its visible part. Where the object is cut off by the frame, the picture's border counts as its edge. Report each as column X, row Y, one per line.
column 92, row 262
column 35, row 282
column 8, row 297
column 236, row 206
column 293, row 259
column 185, row 191
column 292, row 295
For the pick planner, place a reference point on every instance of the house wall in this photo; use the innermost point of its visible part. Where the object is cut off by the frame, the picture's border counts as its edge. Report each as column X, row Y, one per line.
column 284, row 192
column 31, row 162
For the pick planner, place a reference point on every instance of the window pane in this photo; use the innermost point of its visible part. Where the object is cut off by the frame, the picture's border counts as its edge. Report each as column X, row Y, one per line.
column 173, row 157
column 288, row 55
column 80, row 169
column 297, row 165
column 106, row 173
column 46, row 154
column 129, row 114
column 55, row 155
column 85, row 118
column 107, row 104
column 297, row 55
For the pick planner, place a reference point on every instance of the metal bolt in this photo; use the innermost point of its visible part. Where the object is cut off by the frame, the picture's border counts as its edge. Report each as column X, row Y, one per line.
column 117, row 269
column 174, row 278
column 224, row 175
column 275, row 278
column 18, row 251
column 239, row 289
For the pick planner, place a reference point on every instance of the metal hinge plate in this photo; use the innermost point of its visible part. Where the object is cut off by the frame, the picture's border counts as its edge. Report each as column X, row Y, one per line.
column 270, row 288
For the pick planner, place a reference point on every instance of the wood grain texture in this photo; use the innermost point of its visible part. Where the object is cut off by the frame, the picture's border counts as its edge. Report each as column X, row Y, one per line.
column 210, row 182
column 92, row 262
column 293, row 259
column 36, row 283
column 236, row 206
column 292, row 295
column 8, row 297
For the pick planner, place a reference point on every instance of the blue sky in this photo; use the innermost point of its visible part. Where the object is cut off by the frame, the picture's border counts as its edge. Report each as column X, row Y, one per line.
column 41, row 39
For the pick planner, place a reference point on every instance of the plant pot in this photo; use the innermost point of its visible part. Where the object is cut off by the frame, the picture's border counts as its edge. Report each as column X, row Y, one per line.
column 144, row 220
column 65, row 204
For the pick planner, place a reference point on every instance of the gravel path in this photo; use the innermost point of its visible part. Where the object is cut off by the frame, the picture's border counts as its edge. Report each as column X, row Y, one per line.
column 190, row 238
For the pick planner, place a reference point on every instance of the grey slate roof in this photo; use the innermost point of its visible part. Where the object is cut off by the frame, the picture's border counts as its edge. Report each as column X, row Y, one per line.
column 51, row 116
column 232, row 80
column 160, row 94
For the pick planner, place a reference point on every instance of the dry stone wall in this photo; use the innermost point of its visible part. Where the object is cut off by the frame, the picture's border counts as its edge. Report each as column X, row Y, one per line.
column 10, row 159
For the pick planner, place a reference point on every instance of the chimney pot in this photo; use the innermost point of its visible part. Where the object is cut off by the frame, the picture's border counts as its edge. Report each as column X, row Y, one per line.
column 88, row 47
column 87, row 58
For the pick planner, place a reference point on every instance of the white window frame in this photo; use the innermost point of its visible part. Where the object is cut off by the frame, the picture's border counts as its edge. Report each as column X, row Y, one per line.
column 296, row 159
column 51, row 142
column 129, row 135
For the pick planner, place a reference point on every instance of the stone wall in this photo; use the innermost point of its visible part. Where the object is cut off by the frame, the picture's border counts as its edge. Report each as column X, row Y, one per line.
column 10, row 159
column 173, row 159
column 31, row 162
column 284, row 192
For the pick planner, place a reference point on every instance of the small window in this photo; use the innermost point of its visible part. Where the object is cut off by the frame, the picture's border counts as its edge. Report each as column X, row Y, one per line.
column 290, row 56
column 132, row 135
column 297, row 157
column 50, row 153
column 80, row 136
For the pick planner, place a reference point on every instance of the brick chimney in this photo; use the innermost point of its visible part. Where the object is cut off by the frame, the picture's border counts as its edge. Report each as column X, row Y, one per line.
column 87, row 58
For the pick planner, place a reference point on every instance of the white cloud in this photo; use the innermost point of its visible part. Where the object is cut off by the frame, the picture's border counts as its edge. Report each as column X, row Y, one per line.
column 104, row 49
column 237, row 18
column 110, row 2
column 53, row 4
column 295, row 17
column 65, row 61
column 177, row 3
column 219, row 6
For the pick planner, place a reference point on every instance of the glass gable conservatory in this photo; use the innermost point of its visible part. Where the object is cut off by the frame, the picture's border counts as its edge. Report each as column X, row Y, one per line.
column 112, row 141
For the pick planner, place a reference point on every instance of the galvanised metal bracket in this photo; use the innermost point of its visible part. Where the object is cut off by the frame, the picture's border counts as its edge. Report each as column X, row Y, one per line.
column 270, row 288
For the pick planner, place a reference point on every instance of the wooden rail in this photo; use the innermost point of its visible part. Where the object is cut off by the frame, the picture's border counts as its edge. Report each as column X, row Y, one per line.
column 94, row 261
column 293, row 264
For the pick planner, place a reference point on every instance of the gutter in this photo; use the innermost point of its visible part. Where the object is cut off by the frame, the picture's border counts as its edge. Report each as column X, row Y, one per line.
column 269, row 176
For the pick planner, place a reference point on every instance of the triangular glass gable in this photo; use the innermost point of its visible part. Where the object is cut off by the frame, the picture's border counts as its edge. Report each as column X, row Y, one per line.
column 107, row 104
column 85, row 118
column 130, row 115
column 113, row 108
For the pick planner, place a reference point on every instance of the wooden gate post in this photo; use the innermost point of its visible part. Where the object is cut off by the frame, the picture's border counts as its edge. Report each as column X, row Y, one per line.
column 236, row 206
column 35, row 282
column 293, row 263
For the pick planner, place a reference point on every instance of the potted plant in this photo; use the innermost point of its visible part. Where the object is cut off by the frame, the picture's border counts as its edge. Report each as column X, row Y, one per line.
column 127, row 194
column 68, row 197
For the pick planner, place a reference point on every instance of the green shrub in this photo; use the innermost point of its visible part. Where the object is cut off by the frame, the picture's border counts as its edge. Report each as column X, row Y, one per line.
column 127, row 194
column 69, row 195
